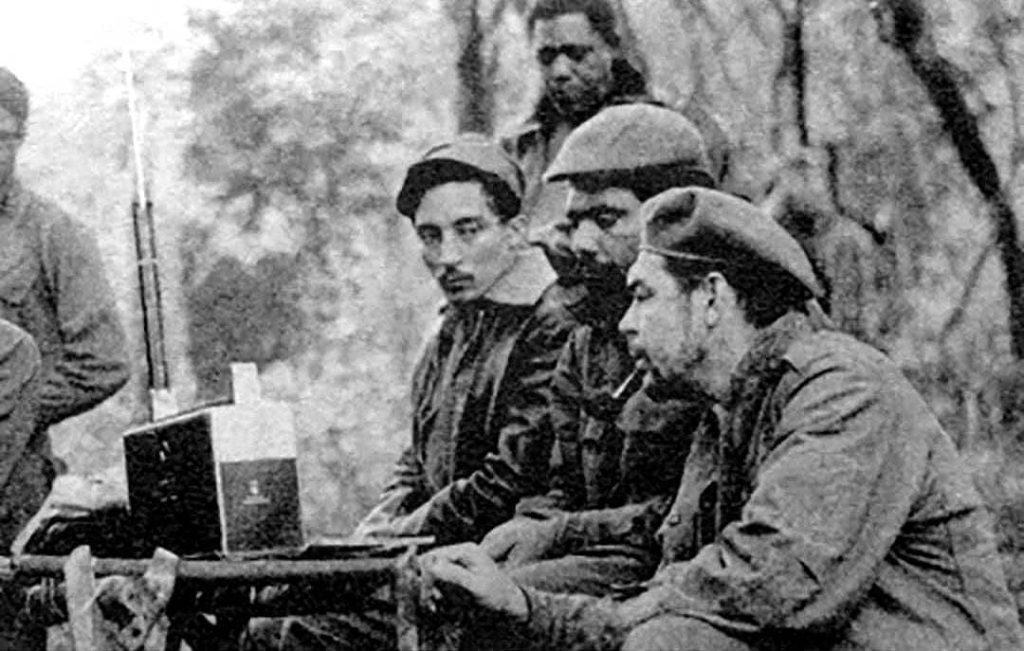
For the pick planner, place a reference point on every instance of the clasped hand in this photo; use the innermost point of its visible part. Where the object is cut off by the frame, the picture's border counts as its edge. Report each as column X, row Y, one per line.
column 464, row 574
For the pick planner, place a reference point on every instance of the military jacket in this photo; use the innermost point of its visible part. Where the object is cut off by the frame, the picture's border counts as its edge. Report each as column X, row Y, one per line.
column 25, row 469
column 53, row 285
column 481, row 438
column 823, row 508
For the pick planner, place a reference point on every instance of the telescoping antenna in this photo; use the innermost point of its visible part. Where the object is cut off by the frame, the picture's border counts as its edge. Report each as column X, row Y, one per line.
column 161, row 401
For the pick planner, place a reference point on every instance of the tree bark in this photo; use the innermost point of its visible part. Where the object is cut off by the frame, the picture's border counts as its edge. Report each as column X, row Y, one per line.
column 903, row 25
column 475, row 101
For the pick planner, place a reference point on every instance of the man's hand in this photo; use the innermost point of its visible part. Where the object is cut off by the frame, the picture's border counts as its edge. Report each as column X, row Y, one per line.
column 464, row 573
column 523, row 540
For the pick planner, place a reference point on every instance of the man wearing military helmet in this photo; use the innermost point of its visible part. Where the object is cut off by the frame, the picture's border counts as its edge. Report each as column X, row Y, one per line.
column 822, row 506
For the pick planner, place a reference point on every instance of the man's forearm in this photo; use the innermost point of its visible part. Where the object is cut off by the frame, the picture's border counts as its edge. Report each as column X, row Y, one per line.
column 565, row 622
column 632, row 524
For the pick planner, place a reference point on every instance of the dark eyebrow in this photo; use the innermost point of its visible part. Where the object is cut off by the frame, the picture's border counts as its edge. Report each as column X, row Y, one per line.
column 461, row 221
column 594, row 213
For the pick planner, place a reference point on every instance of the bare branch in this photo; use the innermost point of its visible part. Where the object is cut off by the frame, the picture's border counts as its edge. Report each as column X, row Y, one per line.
column 903, row 24
column 956, row 317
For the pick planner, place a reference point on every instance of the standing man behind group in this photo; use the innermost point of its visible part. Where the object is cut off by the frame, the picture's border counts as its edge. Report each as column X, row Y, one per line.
column 53, row 286
column 583, row 69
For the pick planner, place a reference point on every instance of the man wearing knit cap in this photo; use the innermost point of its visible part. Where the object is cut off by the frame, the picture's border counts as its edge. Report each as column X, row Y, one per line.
column 477, row 390
column 618, row 452
column 52, row 285
column 471, row 458
column 821, row 507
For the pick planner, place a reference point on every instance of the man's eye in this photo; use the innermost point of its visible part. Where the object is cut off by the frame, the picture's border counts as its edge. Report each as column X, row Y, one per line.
column 577, row 52
column 606, row 220
column 641, row 294
column 468, row 229
column 429, row 235
column 547, row 55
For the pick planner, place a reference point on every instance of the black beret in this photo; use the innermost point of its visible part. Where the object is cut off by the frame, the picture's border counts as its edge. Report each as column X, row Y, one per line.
column 707, row 226
column 628, row 137
column 469, row 156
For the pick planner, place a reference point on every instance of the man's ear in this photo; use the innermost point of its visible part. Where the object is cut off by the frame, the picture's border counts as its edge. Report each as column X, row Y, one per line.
column 715, row 295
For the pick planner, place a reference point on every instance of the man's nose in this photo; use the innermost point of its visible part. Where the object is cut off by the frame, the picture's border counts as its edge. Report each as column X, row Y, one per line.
column 538, row 234
column 626, row 325
column 450, row 252
column 561, row 67
column 585, row 238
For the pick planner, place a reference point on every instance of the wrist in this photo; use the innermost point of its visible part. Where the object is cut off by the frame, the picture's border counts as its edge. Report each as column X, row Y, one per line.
column 519, row 606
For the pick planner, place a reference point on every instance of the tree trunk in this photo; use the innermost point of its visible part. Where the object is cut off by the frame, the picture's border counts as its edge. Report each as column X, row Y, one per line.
column 630, row 45
column 789, row 89
column 903, row 25
column 475, row 70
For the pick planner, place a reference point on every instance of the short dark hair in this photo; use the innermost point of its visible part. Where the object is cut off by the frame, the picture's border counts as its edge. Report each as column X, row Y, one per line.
column 650, row 181
column 599, row 13
column 764, row 294
column 494, row 188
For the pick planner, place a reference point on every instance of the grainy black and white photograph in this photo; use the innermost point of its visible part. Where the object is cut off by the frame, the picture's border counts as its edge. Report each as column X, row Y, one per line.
column 511, row 325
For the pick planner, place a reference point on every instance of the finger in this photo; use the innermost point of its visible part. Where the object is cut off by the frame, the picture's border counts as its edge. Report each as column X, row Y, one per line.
column 452, row 554
column 496, row 547
column 520, row 555
column 446, row 571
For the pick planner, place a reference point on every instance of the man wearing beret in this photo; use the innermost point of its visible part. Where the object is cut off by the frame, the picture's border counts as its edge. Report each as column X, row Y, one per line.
column 821, row 507
column 618, row 452
column 52, row 285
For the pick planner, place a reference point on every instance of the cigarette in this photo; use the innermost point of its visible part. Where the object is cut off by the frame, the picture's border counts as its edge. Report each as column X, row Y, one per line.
column 630, row 385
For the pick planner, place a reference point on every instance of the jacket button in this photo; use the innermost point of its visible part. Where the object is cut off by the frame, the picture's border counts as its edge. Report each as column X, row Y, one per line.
column 674, row 519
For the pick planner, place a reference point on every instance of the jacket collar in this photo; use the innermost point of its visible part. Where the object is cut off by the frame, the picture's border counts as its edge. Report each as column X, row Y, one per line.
column 522, row 285
column 765, row 360
column 525, row 281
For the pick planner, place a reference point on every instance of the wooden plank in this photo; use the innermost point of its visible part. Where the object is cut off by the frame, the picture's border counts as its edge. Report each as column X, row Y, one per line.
column 80, row 588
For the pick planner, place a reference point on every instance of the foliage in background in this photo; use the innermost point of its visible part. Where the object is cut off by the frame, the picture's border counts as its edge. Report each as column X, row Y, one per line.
column 300, row 271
